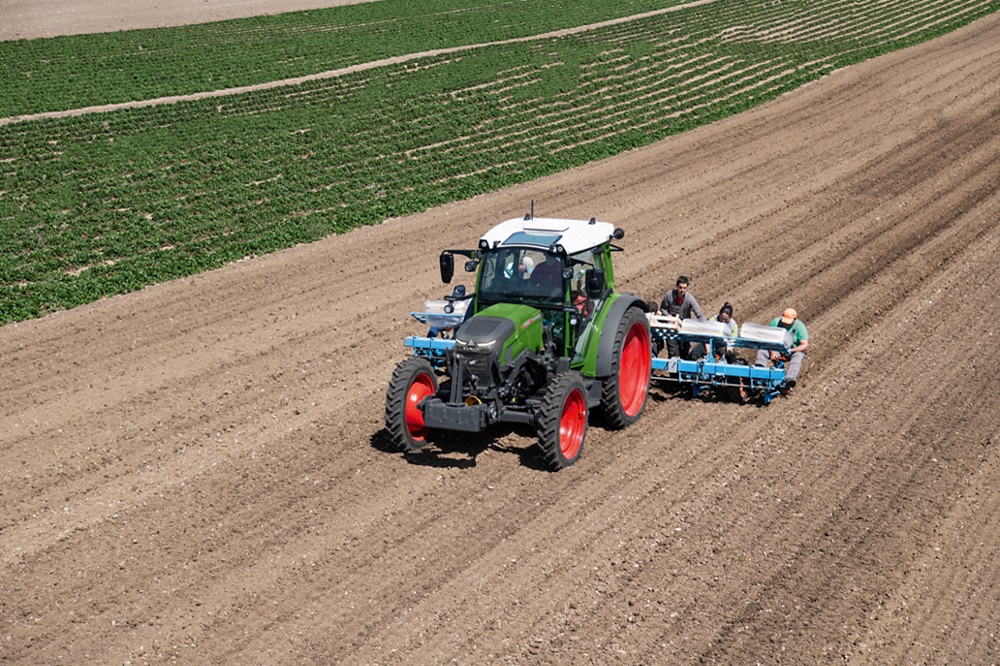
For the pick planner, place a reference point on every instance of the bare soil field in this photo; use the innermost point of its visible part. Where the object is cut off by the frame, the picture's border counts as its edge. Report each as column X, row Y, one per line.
column 30, row 19
column 197, row 472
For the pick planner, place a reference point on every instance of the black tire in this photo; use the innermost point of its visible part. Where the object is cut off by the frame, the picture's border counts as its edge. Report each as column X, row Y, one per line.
column 412, row 381
column 562, row 421
column 623, row 394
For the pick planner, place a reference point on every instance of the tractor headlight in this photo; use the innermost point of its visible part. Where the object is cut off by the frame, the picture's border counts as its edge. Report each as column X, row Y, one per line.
column 475, row 349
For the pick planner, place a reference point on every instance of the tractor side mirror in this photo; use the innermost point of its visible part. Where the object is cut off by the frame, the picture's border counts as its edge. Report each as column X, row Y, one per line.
column 447, row 261
column 595, row 283
column 471, row 265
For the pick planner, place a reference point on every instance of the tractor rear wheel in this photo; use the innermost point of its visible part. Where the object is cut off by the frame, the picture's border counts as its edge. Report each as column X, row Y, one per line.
column 412, row 381
column 623, row 395
column 562, row 421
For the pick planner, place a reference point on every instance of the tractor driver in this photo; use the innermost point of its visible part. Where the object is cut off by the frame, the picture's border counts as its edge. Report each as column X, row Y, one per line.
column 547, row 277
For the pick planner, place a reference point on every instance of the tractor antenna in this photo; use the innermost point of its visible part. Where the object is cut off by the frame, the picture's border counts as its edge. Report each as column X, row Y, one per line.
column 532, row 209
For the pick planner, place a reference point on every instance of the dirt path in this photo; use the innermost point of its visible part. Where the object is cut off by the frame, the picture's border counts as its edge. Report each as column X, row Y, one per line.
column 194, row 472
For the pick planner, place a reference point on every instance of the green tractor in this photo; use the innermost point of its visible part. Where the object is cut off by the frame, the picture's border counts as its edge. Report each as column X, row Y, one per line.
column 544, row 339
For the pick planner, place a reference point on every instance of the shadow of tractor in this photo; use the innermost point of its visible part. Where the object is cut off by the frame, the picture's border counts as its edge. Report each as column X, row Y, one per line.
column 459, row 450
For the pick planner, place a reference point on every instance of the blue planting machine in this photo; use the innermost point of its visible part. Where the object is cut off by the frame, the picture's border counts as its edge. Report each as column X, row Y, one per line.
column 719, row 365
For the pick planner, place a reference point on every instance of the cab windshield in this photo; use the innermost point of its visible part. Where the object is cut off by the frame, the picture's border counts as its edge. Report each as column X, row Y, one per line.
column 518, row 275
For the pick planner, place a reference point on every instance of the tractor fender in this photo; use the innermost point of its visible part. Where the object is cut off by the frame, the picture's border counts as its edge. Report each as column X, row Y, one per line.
column 606, row 347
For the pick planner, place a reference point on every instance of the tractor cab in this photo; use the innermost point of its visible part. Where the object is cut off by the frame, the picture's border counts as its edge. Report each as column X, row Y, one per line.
column 560, row 267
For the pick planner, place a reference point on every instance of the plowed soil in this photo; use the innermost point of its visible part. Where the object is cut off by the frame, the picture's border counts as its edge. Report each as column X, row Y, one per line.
column 29, row 19
column 197, row 472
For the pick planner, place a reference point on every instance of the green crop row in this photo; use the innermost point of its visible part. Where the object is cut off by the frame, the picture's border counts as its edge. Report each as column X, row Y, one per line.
column 107, row 203
column 74, row 72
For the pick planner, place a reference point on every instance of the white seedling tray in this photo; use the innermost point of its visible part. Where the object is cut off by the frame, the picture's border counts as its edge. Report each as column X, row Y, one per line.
column 761, row 333
column 695, row 327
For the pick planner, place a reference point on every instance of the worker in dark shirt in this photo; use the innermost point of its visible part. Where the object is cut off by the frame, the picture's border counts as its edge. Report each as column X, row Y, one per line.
column 679, row 302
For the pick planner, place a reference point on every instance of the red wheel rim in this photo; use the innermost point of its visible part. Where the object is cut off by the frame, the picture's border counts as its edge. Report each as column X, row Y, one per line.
column 633, row 372
column 421, row 387
column 572, row 424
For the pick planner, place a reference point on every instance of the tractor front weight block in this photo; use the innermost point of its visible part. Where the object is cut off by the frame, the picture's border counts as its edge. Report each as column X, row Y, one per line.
column 463, row 418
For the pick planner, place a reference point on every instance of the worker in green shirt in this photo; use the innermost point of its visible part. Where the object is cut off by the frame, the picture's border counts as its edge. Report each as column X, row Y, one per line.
column 789, row 320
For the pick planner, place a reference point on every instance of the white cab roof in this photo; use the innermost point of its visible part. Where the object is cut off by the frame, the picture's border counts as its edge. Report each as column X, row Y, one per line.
column 543, row 232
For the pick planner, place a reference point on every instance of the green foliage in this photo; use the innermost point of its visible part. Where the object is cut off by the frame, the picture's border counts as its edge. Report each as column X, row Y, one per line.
column 106, row 203
column 73, row 72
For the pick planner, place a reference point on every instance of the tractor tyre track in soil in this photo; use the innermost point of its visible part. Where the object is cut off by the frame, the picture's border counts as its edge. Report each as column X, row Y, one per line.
column 198, row 471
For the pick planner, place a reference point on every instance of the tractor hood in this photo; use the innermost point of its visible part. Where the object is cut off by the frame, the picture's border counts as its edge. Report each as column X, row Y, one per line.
column 503, row 329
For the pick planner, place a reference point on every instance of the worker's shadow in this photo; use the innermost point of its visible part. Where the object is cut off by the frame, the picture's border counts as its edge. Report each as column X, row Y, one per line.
column 459, row 450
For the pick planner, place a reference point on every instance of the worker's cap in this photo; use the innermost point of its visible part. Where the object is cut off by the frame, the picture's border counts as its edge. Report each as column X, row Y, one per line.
column 529, row 263
column 789, row 316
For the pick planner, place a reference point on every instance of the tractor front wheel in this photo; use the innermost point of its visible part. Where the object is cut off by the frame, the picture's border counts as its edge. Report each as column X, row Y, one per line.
column 562, row 421
column 623, row 395
column 412, row 381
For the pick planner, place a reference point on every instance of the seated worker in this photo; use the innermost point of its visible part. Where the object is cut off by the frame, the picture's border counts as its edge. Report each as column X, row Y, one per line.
column 680, row 303
column 789, row 320
column 583, row 303
column 730, row 330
